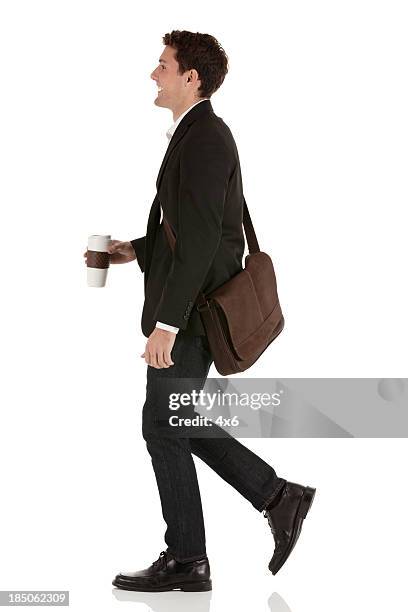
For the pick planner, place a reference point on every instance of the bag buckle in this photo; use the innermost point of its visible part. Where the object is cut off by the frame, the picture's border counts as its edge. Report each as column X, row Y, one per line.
column 205, row 306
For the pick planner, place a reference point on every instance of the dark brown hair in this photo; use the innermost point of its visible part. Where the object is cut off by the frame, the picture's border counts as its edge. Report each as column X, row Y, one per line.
column 202, row 52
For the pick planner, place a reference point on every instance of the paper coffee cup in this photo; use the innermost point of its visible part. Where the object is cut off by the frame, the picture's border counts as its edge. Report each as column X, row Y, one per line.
column 97, row 260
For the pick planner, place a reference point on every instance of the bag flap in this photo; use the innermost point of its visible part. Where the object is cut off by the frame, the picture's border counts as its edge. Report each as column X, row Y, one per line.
column 250, row 305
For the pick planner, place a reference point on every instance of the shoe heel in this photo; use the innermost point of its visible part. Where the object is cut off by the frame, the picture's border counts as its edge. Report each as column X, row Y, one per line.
column 306, row 501
column 204, row 585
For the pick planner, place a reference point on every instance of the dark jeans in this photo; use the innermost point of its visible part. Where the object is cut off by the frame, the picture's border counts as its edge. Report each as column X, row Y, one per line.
column 173, row 463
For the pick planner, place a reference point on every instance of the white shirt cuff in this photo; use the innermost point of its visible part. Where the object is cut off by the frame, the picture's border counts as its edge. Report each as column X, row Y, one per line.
column 167, row 327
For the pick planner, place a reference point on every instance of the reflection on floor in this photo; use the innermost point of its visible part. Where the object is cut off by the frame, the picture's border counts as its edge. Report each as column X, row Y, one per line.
column 178, row 601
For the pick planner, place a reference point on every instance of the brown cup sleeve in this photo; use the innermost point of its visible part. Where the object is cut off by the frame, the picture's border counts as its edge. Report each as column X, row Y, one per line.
column 97, row 259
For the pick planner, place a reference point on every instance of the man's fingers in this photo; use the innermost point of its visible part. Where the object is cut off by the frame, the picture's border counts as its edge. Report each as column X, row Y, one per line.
column 153, row 360
column 157, row 357
column 114, row 247
column 167, row 359
column 149, row 358
column 161, row 360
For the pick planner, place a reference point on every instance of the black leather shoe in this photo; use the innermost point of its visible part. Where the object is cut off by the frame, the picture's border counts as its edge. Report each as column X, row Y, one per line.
column 285, row 516
column 167, row 574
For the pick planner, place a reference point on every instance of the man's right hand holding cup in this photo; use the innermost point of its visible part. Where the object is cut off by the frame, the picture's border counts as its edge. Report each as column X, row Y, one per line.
column 120, row 252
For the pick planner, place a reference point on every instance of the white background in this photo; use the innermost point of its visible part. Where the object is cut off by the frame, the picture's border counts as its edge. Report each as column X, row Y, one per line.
column 316, row 98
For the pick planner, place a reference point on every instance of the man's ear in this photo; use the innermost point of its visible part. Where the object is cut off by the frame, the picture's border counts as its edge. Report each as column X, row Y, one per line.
column 193, row 74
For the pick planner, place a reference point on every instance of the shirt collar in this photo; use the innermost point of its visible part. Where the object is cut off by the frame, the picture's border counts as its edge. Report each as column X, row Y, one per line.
column 173, row 128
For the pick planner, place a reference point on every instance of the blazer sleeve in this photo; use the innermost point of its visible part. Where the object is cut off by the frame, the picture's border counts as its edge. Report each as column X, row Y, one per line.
column 205, row 168
column 138, row 245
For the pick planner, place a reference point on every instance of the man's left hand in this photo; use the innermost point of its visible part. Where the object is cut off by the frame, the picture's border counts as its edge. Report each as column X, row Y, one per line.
column 158, row 348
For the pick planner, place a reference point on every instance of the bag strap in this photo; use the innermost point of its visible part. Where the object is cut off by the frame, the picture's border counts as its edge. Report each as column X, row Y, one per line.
column 253, row 246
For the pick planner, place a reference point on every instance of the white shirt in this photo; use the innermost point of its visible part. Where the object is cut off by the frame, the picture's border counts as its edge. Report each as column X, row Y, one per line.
column 169, row 135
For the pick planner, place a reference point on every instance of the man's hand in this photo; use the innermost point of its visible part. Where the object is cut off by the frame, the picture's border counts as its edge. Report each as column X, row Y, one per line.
column 121, row 252
column 158, row 348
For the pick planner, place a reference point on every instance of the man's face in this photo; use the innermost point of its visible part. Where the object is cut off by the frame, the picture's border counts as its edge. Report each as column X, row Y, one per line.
column 176, row 89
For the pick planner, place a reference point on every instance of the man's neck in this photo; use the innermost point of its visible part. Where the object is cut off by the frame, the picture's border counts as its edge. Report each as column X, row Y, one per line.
column 182, row 109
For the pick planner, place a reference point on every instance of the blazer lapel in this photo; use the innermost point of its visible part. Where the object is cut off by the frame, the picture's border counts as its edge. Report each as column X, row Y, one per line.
column 192, row 115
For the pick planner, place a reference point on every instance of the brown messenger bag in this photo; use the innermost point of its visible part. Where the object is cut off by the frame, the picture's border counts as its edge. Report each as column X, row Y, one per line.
column 243, row 316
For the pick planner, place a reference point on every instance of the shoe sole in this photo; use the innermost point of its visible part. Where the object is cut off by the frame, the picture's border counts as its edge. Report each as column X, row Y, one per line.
column 204, row 585
column 304, row 506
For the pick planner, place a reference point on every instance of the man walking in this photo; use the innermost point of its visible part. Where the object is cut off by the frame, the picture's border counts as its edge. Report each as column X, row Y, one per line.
column 199, row 193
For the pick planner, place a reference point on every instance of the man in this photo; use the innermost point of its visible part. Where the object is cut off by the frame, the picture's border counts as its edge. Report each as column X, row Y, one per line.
column 199, row 193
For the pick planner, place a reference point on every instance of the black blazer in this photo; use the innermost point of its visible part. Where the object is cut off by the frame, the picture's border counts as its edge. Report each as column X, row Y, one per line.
column 199, row 187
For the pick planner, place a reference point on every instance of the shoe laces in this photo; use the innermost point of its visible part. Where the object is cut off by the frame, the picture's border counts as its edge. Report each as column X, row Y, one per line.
column 161, row 561
column 270, row 523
